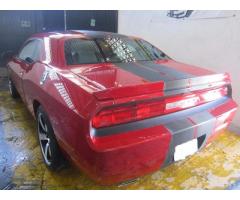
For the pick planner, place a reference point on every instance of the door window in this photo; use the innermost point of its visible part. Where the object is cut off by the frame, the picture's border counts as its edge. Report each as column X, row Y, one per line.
column 31, row 50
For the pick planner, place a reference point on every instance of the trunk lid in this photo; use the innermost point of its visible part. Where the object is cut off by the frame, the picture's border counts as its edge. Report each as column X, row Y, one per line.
column 167, row 77
column 167, row 88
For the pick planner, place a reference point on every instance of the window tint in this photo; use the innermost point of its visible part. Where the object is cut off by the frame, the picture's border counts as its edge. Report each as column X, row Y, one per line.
column 122, row 50
column 152, row 51
column 129, row 50
column 110, row 49
column 32, row 50
column 79, row 51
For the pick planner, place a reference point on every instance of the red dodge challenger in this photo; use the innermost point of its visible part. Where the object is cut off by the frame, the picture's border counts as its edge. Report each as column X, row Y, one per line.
column 116, row 106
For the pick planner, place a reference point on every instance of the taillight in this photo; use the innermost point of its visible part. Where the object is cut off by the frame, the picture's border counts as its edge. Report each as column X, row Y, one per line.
column 142, row 110
column 118, row 115
column 179, row 103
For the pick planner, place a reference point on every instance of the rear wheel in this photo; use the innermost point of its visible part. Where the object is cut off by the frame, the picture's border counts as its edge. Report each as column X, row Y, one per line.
column 50, row 150
column 12, row 89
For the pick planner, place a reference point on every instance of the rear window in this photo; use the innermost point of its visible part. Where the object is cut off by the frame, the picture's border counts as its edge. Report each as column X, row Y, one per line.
column 110, row 49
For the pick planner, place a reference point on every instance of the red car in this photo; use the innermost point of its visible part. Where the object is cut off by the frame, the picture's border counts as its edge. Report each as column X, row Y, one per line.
column 116, row 106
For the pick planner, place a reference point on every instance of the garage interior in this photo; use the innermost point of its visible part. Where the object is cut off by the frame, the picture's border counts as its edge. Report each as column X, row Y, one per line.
column 204, row 38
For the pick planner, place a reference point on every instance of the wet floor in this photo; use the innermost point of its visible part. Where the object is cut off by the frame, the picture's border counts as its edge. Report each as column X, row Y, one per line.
column 21, row 167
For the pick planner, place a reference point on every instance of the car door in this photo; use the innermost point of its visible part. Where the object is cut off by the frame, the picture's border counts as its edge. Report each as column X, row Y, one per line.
column 21, row 63
column 33, row 72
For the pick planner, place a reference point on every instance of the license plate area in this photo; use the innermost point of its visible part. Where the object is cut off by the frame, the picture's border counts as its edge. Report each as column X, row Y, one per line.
column 185, row 149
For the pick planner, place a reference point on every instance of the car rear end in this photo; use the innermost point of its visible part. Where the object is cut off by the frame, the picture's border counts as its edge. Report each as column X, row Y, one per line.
column 149, row 111
column 152, row 125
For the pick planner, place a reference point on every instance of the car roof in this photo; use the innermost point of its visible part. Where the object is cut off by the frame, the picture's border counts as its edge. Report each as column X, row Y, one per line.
column 72, row 33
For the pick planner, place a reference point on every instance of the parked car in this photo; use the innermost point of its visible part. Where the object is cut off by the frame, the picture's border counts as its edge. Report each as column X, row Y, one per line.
column 116, row 106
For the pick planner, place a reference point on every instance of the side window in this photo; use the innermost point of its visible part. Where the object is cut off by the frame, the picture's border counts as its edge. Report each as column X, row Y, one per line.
column 32, row 50
column 80, row 51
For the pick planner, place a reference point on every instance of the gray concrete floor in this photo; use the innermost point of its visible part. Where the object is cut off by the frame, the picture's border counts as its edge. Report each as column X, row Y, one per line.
column 5, row 156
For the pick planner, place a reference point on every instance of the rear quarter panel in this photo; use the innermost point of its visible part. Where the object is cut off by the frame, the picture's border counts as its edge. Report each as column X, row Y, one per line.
column 67, row 104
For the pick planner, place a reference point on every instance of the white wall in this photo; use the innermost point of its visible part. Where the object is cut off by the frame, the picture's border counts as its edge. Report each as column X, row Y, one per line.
column 212, row 42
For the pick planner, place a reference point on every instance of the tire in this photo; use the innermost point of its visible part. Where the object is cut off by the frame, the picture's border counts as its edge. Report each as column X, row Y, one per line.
column 12, row 89
column 51, row 153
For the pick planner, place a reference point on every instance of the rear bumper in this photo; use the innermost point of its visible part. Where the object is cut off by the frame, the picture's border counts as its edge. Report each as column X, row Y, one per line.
column 131, row 150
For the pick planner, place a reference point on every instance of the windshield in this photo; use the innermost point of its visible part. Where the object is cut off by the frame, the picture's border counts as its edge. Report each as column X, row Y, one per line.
column 110, row 49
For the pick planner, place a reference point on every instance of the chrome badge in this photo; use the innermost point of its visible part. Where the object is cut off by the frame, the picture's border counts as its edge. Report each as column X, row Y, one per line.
column 44, row 77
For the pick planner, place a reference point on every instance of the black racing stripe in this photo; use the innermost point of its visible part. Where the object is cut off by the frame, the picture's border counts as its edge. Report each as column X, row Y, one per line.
column 166, row 71
column 145, row 73
column 153, row 72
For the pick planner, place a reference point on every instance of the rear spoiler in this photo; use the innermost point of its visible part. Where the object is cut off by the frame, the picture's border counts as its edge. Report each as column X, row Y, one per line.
column 166, row 88
column 196, row 83
column 130, row 91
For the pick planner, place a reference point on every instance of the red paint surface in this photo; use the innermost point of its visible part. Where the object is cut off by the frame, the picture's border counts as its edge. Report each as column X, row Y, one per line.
column 90, row 88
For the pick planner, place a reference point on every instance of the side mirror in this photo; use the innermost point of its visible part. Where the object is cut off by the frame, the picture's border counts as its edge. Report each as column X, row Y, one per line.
column 29, row 60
